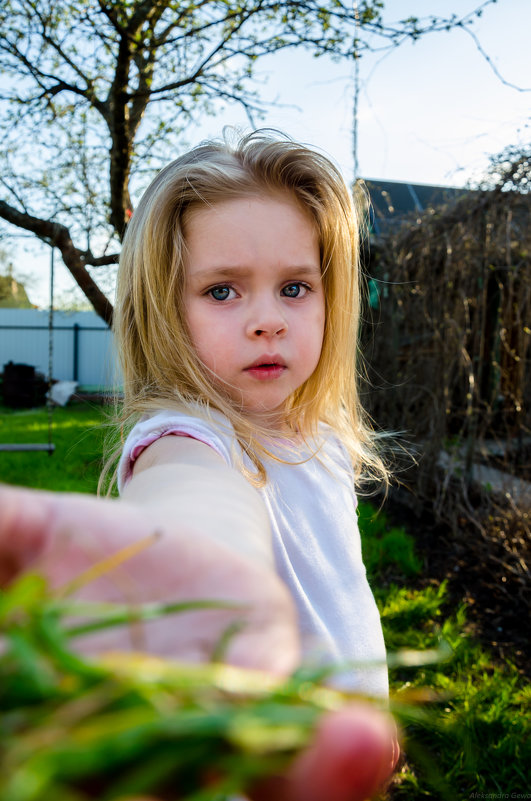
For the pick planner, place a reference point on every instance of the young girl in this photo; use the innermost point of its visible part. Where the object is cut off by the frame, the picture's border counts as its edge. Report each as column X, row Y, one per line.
column 236, row 322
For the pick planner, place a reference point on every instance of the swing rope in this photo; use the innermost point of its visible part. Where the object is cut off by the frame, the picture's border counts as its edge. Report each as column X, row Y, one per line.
column 49, row 401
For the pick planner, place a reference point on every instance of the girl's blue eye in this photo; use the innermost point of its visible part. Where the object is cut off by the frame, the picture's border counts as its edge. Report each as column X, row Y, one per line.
column 293, row 290
column 220, row 292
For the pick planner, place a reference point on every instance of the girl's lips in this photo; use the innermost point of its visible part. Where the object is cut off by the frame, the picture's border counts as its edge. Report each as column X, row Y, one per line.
column 268, row 360
column 266, row 371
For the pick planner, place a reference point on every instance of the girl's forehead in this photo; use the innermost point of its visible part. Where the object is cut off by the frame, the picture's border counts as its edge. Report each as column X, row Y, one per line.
column 249, row 217
column 238, row 205
column 252, row 232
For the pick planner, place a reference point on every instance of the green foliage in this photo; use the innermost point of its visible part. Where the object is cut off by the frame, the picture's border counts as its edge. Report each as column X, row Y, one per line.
column 68, row 726
column 474, row 734
column 385, row 545
column 407, row 612
column 128, row 724
column 471, row 733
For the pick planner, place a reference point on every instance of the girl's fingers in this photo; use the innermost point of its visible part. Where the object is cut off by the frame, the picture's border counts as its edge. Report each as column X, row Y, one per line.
column 36, row 526
column 354, row 753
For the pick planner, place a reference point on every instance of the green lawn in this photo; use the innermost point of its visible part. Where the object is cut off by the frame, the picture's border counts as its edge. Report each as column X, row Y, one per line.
column 470, row 731
column 466, row 717
column 78, row 432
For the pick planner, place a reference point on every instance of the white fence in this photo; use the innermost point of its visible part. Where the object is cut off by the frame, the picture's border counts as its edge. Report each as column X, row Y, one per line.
column 83, row 348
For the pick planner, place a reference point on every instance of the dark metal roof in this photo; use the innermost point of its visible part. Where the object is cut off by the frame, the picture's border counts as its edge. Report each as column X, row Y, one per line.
column 393, row 202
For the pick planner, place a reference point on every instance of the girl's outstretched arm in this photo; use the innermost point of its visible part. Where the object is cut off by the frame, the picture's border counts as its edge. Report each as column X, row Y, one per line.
column 212, row 541
column 213, row 500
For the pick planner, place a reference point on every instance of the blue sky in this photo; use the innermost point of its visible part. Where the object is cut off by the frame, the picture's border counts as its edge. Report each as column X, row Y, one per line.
column 430, row 111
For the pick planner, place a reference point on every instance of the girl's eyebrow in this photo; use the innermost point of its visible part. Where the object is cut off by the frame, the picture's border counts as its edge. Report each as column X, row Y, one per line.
column 218, row 273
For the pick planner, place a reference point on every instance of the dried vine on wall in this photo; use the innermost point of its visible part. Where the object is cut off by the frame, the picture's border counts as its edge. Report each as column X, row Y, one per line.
column 449, row 347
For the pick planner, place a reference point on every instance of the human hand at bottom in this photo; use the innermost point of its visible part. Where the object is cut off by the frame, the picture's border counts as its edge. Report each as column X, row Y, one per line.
column 355, row 748
column 353, row 755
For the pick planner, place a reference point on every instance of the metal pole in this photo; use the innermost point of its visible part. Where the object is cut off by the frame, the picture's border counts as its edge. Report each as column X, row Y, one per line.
column 355, row 110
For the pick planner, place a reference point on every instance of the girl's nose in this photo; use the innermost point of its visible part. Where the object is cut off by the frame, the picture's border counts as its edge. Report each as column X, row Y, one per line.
column 267, row 320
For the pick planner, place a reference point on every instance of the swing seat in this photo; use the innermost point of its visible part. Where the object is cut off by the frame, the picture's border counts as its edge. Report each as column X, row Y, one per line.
column 13, row 446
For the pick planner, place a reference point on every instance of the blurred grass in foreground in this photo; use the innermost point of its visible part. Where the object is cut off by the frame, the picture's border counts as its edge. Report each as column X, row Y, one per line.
column 130, row 724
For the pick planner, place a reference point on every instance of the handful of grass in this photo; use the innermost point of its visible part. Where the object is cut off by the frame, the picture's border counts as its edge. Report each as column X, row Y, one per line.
column 128, row 724
column 131, row 724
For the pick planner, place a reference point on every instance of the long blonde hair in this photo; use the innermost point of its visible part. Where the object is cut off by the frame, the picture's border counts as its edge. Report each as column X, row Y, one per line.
column 160, row 366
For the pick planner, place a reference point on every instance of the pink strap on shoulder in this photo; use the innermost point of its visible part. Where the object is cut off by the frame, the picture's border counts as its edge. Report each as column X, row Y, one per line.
column 151, row 438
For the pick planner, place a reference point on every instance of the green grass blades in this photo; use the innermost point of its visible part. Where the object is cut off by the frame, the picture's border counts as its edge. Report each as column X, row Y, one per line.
column 73, row 729
column 471, row 732
column 127, row 724
column 385, row 545
column 465, row 716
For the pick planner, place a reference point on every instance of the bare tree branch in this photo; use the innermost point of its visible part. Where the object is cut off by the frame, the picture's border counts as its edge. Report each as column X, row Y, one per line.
column 491, row 63
column 100, row 261
column 58, row 236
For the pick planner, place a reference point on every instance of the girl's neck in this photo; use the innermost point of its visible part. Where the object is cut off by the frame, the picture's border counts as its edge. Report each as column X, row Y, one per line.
column 272, row 425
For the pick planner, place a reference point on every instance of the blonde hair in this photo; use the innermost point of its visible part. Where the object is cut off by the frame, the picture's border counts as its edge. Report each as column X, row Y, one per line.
column 160, row 366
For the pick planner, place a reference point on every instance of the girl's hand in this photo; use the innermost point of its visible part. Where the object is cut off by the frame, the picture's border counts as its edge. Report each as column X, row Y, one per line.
column 355, row 748
column 353, row 756
column 62, row 535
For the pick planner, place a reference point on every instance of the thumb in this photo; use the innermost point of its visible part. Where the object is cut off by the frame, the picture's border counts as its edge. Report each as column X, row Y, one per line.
column 353, row 754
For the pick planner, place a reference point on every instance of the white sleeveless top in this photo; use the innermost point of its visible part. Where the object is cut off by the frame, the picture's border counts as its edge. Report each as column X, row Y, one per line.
column 316, row 543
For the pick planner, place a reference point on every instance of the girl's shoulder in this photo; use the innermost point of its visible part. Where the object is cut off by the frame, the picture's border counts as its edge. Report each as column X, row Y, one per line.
column 321, row 457
column 324, row 451
column 333, row 448
column 208, row 426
